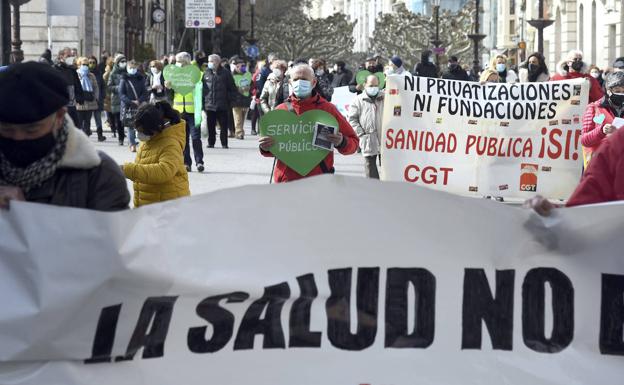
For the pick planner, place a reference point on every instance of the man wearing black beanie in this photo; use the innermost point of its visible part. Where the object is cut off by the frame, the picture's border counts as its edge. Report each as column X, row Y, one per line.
column 44, row 158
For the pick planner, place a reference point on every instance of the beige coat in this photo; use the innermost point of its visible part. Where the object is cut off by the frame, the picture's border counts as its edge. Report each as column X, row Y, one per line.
column 365, row 117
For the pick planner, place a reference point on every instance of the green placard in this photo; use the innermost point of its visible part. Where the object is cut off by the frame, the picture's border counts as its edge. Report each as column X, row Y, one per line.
column 243, row 82
column 361, row 76
column 183, row 79
column 293, row 137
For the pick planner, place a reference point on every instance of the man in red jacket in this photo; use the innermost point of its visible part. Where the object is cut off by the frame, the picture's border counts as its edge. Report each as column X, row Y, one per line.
column 603, row 180
column 302, row 99
column 573, row 68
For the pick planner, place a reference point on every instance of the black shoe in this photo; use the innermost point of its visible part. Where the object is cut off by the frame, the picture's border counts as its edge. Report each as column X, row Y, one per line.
column 121, row 143
column 101, row 138
column 210, row 146
column 188, row 167
column 226, row 146
column 200, row 167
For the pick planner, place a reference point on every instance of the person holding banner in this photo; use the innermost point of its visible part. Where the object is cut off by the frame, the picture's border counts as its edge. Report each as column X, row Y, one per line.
column 455, row 70
column 304, row 98
column 44, row 158
column 534, row 69
column 365, row 116
column 574, row 67
column 598, row 121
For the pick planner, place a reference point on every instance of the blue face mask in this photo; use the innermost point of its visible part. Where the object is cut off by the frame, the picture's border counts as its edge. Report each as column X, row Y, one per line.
column 500, row 67
column 211, row 65
column 84, row 69
column 132, row 71
column 243, row 69
column 302, row 88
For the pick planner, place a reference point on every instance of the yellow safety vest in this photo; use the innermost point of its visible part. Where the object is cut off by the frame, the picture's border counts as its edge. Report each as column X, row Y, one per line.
column 184, row 103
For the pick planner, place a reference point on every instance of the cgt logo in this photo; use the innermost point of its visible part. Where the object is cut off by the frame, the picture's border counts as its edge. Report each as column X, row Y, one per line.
column 528, row 177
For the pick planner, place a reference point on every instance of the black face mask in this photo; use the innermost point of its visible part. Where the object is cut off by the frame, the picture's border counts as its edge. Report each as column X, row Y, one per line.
column 617, row 99
column 23, row 153
column 533, row 68
column 453, row 66
column 577, row 66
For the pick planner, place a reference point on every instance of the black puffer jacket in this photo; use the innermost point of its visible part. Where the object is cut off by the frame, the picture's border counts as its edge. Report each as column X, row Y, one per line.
column 342, row 78
column 425, row 68
column 456, row 73
column 219, row 90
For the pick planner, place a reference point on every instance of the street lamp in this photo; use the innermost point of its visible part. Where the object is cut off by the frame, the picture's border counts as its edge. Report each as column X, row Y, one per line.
column 253, row 50
column 239, row 32
column 476, row 38
column 436, row 40
column 540, row 24
column 17, row 55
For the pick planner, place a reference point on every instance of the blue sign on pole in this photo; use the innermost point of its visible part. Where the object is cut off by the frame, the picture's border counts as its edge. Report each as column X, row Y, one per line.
column 253, row 51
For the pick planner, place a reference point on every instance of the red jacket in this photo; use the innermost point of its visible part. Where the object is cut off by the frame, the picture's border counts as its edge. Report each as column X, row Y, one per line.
column 592, row 135
column 603, row 180
column 595, row 91
column 349, row 145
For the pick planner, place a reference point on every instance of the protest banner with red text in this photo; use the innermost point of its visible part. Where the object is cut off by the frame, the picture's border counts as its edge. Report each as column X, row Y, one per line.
column 508, row 140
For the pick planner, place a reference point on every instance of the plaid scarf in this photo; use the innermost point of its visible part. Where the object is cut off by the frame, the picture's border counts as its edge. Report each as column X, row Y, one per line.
column 38, row 172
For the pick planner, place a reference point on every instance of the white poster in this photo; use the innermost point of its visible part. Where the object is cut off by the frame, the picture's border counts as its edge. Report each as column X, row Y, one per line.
column 342, row 99
column 507, row 140
column 330, row 280
column 200, row 14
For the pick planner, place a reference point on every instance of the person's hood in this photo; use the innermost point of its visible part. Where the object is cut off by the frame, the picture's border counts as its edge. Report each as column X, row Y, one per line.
column 176, row 132
column 80, row 153
column 118, row 58
column 424, row 56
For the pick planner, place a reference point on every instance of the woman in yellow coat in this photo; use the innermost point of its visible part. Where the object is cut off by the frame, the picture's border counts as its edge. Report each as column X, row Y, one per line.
column 158, row 172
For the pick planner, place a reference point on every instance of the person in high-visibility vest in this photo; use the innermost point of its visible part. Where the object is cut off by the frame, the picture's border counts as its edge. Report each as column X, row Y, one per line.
column 185, row 105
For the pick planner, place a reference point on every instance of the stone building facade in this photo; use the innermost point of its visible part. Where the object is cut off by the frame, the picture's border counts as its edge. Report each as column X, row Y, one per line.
column 92, row 26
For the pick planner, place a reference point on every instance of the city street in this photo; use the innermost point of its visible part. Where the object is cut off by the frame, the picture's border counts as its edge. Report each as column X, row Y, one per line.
column 239, row 165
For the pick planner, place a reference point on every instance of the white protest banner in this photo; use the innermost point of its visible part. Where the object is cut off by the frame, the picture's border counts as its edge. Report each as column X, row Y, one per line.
column 342, row 99
column 200, row 14
column 508, row 140
column 312, row 294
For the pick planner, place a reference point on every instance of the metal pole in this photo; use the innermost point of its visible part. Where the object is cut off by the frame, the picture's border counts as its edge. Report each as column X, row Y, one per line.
column 17, row 55
column 5, row 32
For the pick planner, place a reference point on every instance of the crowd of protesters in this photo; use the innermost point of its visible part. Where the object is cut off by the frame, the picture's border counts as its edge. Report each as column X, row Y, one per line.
column 135, row 101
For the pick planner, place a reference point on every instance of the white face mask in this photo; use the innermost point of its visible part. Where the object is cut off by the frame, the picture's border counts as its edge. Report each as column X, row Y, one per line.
column 178, row 64
column 320, row 72
column 123, row 65
column 70, row 60
column 595, row 75
column 132, row 71
column 372, row 91
column 277, row 72
column 142, row 137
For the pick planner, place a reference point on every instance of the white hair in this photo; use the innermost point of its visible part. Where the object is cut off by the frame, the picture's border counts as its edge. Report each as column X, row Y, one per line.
column 183, row 57
column 302, row 67
column 573, row 54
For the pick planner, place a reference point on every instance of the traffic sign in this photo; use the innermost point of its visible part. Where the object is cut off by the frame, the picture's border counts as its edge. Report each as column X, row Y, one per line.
column 253, row 51
column 200, row 14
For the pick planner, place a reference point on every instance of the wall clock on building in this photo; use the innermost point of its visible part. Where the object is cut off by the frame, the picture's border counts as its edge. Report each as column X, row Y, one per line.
column 159, row 15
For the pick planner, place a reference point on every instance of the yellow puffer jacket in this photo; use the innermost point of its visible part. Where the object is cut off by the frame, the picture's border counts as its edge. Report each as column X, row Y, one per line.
column 158, row 172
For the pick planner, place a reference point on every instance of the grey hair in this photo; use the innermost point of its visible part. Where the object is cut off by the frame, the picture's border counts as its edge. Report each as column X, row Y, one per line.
column 214, row 57
column 302, row 67
column 614, row 79
column 183, row 57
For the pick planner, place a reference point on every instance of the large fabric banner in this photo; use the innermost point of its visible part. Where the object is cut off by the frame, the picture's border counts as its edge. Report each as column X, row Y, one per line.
column 331, row 280
column 342, row 99
column 507, row 140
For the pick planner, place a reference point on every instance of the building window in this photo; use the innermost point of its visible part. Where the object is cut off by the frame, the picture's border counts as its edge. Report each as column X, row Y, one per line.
column 512, row 7
column 512, row 27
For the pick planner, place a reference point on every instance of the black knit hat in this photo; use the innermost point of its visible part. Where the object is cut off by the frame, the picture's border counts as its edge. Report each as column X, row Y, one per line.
column 30, row 92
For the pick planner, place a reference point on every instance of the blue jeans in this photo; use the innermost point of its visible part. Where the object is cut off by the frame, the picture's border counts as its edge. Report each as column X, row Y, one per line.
column 132, row 136
column 194, row 134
